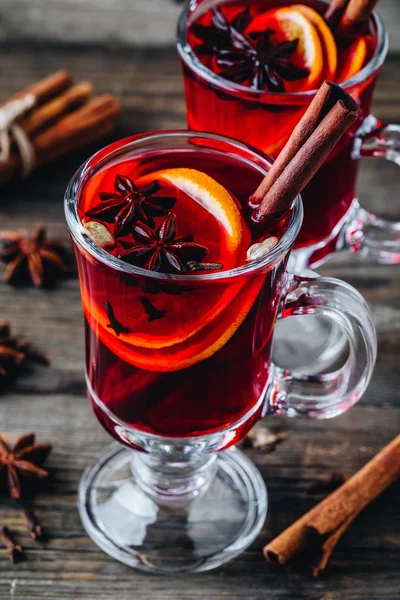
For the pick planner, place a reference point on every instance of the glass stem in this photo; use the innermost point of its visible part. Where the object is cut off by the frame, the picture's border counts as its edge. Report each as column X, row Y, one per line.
column 174, row 480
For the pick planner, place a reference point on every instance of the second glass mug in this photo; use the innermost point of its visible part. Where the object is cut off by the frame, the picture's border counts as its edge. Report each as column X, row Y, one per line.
column 176, row 496
column 333, row 218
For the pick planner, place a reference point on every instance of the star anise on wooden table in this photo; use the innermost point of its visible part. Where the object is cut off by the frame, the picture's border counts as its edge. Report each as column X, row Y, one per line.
column 15, row 551
column 256, row 59
column 128, row 205
column 32, row 259
column 16, row 351
column 159, row 250
column 263, row 439
column 21, row 462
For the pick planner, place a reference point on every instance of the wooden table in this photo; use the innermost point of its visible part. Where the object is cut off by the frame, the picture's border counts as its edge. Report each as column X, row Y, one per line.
column 52, row 401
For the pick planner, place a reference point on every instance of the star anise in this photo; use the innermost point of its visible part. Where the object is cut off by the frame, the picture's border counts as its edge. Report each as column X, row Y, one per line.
column 15, row 351
column 128, row 205
column 264, row 439
column 114, row 323
column 153, row 313
column 24, row 460
column 15, row 550
column 159, row 250
column 32, row 259
column 254, row 59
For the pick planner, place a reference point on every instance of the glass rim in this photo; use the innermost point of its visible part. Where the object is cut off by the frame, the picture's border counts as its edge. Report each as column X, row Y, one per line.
column 98, row 159
column 189, row 57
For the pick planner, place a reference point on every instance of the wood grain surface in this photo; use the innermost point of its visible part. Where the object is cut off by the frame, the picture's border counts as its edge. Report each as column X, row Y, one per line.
column 52, row 402
column 116, row 23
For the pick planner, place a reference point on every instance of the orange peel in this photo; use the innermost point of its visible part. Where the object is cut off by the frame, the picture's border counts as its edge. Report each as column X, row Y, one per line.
column 353, row 59
column 289, row 23
column 327, row 39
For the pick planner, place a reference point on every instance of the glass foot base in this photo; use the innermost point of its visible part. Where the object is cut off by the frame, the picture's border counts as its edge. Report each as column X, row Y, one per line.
column 173, row 536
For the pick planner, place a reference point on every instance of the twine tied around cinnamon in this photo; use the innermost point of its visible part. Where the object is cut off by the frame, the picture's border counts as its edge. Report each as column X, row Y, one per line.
column 9, row 115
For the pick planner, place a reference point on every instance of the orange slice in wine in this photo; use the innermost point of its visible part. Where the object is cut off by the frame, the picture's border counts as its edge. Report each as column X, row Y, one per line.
column 203, row 203
column 353, row 59
column 205, row 210
column 328, row 42
column 289, row 24
column 181, row 315
column 200, row 346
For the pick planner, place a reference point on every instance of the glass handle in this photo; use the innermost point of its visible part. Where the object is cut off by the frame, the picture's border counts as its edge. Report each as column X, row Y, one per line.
column 366, row 233
column 326, row 395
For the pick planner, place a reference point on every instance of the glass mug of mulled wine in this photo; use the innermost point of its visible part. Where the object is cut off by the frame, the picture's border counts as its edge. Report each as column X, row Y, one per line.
column 224, row 46
column 178, row 365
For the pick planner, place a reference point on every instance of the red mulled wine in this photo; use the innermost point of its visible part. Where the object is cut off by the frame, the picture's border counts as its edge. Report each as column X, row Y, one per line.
column 176, row 344
column 249, row 72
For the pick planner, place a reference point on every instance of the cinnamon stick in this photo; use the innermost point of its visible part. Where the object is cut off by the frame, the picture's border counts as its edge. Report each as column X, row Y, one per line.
column 81, row 127
column 316, row 534
column 334, row 12
column 76, row 128
column 46, row 88
column 355, row 16
column 51, row 111
column 328, row 116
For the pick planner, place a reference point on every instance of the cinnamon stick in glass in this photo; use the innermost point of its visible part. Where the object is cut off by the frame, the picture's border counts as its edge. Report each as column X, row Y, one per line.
column 355, row 16
column 311, row 539
column 334, row 12
column 329, row 115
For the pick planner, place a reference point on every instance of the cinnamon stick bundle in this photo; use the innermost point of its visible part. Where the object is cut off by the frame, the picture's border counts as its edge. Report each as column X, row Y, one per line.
column 63, row 118
column 48, row 113
column 45, row 88
column 328, row 116
column 311, row 540
column 81, row 127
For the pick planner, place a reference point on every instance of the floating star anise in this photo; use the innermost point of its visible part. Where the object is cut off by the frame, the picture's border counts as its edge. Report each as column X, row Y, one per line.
column 24, row 460
column 254, row 59
column 128, row 205
column 114, row 323
column 158, row 250
column 15, row 351
column 31, row 259
column 153, row 313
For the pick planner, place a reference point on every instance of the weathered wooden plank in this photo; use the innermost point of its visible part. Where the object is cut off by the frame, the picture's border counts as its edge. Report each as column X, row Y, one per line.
column 139, row 23
column 151, row 90
column 116, row 22
column 67, row 565
column 68, row 561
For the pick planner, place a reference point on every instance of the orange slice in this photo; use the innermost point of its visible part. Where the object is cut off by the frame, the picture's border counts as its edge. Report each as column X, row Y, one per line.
column 328, row 42
column 185, row 314
column 199, row 347
column 353, row 59
column 211, row 196
column 206, row 210
column 288, row 23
